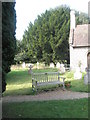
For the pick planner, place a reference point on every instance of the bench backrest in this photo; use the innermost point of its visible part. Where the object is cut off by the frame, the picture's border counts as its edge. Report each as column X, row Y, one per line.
column 45, row 77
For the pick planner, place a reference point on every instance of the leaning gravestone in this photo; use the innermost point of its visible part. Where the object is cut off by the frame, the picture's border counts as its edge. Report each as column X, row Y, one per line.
column 87, row 77
column 78, row 74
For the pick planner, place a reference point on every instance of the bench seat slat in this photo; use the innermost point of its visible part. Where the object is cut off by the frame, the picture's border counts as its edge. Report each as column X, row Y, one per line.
column 49, row 83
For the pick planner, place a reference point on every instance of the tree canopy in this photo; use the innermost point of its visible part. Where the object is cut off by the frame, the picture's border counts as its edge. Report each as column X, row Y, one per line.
column 47, row 40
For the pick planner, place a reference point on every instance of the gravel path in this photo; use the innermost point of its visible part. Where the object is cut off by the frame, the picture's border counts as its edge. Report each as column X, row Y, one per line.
column 50, row 95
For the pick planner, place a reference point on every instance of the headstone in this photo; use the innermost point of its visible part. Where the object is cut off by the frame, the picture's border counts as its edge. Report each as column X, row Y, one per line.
column 30, row 69
column 37, row 65
column 51, row 65
column 87, row 77
column 23, row 65
column 78, row 74
column 58, row 65
column 62, row 68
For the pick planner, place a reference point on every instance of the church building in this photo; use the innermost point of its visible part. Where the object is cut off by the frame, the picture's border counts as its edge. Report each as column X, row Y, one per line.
column 79, row 44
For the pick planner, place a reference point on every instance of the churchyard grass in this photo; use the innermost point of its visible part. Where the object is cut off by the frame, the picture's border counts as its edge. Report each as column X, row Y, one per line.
column 47, row 109
column 76, row 85
column 19, row 82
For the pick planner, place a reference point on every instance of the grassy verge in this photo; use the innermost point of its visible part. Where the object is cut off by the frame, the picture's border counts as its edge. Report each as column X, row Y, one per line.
column 20, row 83
column 76, row 85
column 47, row 109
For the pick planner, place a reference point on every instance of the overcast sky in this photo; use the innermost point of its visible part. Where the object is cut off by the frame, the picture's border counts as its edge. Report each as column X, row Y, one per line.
column 27, row 10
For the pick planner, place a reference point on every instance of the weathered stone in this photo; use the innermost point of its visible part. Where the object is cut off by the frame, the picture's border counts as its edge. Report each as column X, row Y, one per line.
column 87, row 77
column 23, row 65
column 62, row 68
column 37, row 65
column 78, row 74
column 58, row 65
column 51, row 65
column 30, row 69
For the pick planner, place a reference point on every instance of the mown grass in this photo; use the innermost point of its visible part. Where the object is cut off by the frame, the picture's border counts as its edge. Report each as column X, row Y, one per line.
column 20, row 83
column 76, row 85
column 47, row 109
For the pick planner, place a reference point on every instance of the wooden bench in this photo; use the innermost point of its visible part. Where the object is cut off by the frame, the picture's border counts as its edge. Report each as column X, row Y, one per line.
column 49, row 78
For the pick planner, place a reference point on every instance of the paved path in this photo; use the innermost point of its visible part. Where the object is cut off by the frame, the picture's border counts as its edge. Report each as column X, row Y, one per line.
column 51, row 95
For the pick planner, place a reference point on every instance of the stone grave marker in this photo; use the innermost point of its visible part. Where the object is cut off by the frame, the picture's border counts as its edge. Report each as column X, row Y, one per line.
column 77, row 74
column 30, row 69
column 62, row 68
column 87, row 77
column 37, row 65
column 23, row 65
column 51, row 65
column 58, row 65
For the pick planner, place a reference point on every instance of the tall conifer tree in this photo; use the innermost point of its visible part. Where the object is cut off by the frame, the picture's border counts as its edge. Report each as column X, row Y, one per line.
column 8, row 38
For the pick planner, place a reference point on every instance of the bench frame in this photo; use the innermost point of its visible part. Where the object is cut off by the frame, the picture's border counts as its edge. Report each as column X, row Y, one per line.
column 48, row 78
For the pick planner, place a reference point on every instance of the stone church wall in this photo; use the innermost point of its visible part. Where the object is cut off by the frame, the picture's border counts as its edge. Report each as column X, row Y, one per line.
column 78, row 57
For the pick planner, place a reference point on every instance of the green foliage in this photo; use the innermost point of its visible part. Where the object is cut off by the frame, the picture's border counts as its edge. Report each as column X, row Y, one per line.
column 47, row 40
column 47, row 109
column 8, row 38
column 76, row 85
column 82, row 18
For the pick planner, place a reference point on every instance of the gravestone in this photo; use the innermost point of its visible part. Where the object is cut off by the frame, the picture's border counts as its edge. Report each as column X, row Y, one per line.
column 37, row 65
column 23, row 65
column 77, row 74
column 62, row 68
column 51, row 65
column 58, row 65
column 87, row 77
column 30, row 69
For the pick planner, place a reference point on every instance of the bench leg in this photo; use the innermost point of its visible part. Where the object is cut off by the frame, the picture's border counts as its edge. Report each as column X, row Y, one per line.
column 63, row 86
column 32, row 87
column 36, row 86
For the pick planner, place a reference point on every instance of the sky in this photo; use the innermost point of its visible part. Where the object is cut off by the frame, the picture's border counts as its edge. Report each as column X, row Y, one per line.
column 27, row 11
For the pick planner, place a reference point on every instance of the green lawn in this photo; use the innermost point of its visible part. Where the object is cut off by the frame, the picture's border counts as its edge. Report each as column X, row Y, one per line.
column 19, row 82
column 47, row 109
column 76, row 85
